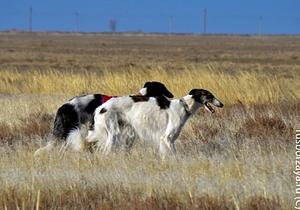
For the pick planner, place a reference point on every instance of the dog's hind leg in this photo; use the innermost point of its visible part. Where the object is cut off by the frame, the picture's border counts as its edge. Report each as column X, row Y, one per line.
column 75, row 140
column 107, row 147
column 111, row 121
column 46, row 149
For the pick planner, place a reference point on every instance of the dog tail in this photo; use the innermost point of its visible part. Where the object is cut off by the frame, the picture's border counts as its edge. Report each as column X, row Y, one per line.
column 66, row 120
column 75, row 139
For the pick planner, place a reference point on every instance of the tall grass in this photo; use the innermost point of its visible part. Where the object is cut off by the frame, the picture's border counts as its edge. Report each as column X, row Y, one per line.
column 142, row 181
column 238, row 158
column 248, row 87
column 241, row 157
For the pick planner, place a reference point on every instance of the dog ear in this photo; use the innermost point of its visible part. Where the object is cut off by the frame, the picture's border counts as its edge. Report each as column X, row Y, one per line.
column 167, row 93
column 157, row 89
column 147, row 84
column 163, row 89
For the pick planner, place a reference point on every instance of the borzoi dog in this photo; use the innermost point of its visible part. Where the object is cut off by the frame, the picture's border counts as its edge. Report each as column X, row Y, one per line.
column 149, row 120
column 79, row 111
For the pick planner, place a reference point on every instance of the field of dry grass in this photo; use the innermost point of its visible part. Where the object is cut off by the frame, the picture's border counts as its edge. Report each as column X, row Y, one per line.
column 238, row 158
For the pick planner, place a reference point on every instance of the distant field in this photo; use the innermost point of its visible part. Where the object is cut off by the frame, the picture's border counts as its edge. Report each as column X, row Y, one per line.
column 239, row 158
column 41, row 51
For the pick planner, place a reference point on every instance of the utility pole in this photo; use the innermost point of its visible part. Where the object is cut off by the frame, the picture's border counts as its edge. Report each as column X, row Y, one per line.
column 170, row 24
column 113, row 26
column 30, row 20
column 77, row 21
column 260, row 26
column 204, row 20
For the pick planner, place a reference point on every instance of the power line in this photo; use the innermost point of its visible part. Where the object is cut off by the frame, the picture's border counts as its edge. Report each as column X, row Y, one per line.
column 204, row 20
column 170, row 24
column 30, row 20
column 260, row 26
column 77, row 21
column 113, row 25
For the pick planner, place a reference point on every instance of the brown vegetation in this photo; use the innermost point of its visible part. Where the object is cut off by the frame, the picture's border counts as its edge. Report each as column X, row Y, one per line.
column 241, row 157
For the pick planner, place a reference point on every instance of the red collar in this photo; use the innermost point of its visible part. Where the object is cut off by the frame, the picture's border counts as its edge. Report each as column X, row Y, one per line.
column 106, row 98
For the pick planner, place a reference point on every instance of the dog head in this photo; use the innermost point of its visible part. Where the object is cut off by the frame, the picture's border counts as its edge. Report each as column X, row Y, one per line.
column 155, row 89
column 206, row 98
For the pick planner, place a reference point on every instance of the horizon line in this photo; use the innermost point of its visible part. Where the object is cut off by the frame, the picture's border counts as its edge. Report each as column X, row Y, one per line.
column 147, row 33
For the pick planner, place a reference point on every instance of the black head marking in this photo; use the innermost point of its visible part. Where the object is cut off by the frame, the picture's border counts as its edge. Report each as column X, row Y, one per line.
column 155, row 89
column 204, row 96
column 200, row 95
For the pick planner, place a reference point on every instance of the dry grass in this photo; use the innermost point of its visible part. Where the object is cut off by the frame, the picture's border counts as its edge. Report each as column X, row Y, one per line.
column 141, row 181
column 229, row 160
column 239, row 158
column 36, row 124
column 249, row 87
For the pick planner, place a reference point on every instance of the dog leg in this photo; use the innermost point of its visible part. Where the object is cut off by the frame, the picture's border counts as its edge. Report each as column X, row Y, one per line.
column 173, row 129
column 113, row 130
column 169, row 145
column 46, row 149
column 162, row 148
column 173, row 148
column 75, row 140
column 92, row 136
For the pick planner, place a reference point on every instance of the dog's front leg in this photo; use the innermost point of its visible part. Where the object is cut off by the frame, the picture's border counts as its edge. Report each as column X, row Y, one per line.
column 173, row 148
column 162, row 147
column 171, row 134
column 166, row 146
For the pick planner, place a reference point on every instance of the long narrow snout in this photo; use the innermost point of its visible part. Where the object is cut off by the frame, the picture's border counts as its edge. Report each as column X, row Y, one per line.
column 214, row 102
column 217, row 103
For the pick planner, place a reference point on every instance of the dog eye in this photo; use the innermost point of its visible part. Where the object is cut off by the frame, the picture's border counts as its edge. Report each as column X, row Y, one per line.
column 209, row 97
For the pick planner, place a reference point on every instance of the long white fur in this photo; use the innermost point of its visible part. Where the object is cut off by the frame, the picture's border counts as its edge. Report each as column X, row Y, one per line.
column 75, row 138
column 148, row 121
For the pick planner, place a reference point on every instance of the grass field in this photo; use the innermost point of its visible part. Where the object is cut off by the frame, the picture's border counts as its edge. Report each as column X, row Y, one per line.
column 241, row 157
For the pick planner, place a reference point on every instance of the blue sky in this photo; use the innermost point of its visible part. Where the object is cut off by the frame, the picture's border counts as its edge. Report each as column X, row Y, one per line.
column 223, row 16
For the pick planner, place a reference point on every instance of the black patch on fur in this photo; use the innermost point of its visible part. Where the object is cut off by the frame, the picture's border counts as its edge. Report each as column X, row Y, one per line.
column 162, row 102
column 156, row 89
column 66, row 119
column 137, row 98
column 201, row 95
column 92, row 124
column 93, row 104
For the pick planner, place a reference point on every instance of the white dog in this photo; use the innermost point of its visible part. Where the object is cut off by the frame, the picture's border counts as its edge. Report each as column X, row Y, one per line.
column 119, row 121
column 79, row 111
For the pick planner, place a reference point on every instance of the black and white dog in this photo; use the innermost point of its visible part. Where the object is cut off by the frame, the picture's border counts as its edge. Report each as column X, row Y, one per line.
column 79, row 111
column 119, row 121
